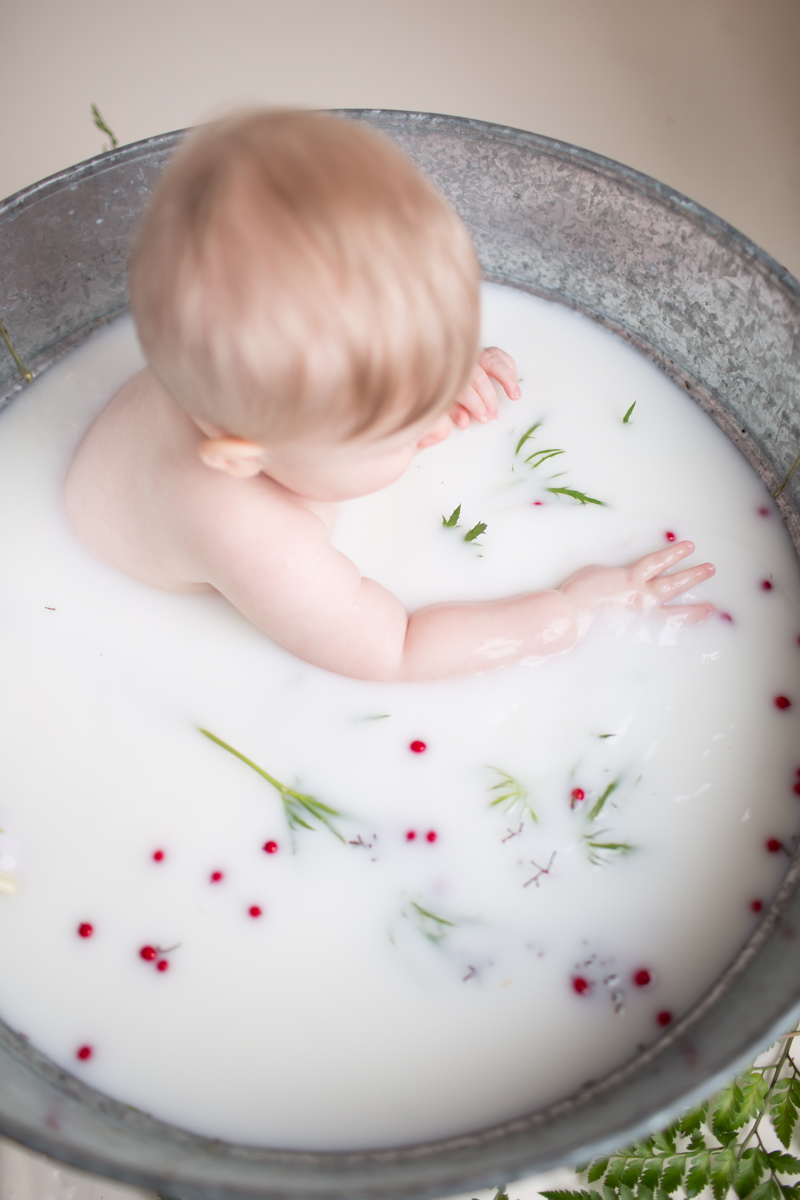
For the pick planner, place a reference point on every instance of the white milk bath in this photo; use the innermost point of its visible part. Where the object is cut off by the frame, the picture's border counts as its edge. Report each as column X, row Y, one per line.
column 344, row 1016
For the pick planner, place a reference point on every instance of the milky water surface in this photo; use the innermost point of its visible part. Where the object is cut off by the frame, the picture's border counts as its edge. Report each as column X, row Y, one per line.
column 394, row 988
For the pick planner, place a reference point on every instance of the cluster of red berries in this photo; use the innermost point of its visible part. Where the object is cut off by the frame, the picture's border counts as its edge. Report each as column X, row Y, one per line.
column 430, row 836
column 641, row 978
column 151, row 954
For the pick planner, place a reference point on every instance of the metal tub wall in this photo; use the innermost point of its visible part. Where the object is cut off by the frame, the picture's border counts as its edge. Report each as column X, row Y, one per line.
column 716, row 314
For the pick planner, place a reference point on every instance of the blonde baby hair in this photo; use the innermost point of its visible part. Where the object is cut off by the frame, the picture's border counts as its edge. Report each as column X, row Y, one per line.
column 295, row 273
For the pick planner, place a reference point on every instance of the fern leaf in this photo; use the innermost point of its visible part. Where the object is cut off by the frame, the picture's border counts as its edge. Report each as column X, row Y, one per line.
column 749, row 1172
column 614, row 1172
column 692, row 1121
column 698, row 1175
column 768, row 1190
column 723, row 1171
column 597, row 1170
column 673, row 1175
column 727, row 1106
column 563, row 1194
column 783, row 1110
column 633, row 1169
column 784, row 1164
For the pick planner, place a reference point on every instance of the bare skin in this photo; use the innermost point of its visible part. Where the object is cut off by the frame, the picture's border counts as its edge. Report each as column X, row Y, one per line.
column 181, row 505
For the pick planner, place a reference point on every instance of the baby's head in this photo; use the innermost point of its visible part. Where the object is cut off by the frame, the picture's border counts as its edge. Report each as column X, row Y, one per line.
column 296, row 280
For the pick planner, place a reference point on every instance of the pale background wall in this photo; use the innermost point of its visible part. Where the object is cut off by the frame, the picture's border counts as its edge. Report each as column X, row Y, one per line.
column 702, row 94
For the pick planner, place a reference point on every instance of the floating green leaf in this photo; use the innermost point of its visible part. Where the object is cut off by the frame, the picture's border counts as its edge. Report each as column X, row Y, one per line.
column 599, row 805
column 451, row 522
column 527, row 435
column 431, row 926
column 298, row 808
column 627, row 417
column 579, row 496
column 597, row 859
column 475, row 532
column 541, row 456
column 512, row 795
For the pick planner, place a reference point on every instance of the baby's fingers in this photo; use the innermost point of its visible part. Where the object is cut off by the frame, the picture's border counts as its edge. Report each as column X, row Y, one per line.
column 653, row 564
column 479, row 399
column 501, row 366
column 674, row 585
column 459, row 415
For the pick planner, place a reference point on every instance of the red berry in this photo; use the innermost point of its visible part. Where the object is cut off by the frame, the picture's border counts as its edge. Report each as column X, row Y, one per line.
column 431, row 835
column 162, row 965
column 412, row 833
column 664, row 1017
column 642, row 978
column 756, row 905
column 797, row 772
column 797, row 787
column 254, row 910
column 536, row 503
column 418, row 747
column 669, row 535
column 216, row 876
column 578, row 794
column 580, row 985
column 270, row 847
column 148, row 953
column 783, row 702
column 83, row 1053
column 158, row 856
column 766, row 586
column 85, row 930
column 763, row 511
column 723, row 616
column 773, row 845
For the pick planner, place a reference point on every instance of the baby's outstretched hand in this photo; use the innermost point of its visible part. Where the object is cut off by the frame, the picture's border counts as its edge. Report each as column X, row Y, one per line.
column 641, row 587
column 479, row 399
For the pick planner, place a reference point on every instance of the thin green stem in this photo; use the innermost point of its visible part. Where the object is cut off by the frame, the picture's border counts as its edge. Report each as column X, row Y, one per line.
column 791, row 472
column 212, row 737
column 766, row 1155
column 23, row 370
column 765, row 1106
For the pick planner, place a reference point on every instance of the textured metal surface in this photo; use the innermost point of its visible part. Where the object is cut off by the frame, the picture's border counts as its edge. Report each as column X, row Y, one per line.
column 713, row 311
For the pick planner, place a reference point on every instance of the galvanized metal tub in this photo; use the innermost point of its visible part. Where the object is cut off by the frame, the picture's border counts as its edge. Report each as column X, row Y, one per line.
column 714, row 312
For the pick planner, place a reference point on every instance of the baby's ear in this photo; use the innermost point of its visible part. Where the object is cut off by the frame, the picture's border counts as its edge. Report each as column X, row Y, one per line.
column 234, row 456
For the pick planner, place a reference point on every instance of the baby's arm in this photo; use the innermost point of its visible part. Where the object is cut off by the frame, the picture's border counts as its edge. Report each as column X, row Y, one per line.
column 311, row 599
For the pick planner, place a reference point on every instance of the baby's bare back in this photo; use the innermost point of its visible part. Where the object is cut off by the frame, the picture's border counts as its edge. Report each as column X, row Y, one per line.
column 139, row 497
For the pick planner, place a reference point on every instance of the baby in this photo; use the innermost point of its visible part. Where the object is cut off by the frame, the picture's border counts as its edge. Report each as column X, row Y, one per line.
column 309, row 308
